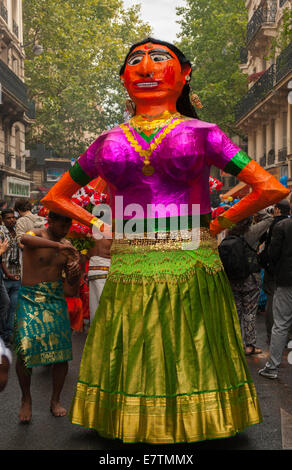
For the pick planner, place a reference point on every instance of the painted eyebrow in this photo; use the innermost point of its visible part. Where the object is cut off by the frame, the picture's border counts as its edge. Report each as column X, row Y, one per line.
column 136, row 53
column 155, row 51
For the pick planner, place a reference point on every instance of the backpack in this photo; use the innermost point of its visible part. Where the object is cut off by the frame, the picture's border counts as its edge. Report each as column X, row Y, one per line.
column 239, row 259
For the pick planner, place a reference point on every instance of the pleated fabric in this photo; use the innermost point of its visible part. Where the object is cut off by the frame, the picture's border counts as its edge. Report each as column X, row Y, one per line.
column 164, row 361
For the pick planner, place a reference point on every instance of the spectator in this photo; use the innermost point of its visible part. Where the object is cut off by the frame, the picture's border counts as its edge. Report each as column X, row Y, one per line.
column 5, row 362
column 3, row 205
column 4, row 298
column 11, row 269
column 246, row 292
column 27, row 220
column 280, row 252
column 281, row 211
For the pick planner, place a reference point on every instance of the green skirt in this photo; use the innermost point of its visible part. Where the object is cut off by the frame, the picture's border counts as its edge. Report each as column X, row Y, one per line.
column 164, row 360
column 42, row 327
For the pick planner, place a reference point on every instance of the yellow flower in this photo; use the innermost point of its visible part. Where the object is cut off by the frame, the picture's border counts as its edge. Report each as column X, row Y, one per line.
column 84, row 252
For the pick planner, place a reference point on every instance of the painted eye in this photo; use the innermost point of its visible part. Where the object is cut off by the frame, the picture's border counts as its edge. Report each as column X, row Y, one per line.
column 160, row 57
column 135, row 60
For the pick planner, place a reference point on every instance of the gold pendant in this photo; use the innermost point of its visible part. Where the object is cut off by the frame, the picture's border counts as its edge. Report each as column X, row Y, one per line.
column 148, row 170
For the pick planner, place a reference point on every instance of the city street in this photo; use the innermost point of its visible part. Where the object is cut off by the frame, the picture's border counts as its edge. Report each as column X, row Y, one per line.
column 48, row 433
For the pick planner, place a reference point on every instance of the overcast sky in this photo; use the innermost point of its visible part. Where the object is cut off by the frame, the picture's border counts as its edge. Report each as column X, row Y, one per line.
column 161, row 16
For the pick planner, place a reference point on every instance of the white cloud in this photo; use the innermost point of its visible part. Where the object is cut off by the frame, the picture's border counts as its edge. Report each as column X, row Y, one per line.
column 161, row 15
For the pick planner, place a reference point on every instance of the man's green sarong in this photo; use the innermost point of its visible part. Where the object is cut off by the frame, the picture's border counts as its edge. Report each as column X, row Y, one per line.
column 42, row 325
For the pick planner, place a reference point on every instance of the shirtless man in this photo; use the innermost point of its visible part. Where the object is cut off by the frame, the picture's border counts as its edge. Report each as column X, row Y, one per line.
column 42, row 334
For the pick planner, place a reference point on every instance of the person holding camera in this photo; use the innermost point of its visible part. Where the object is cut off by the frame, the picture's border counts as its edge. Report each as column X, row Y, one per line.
column 11, row 269
column 280, row 211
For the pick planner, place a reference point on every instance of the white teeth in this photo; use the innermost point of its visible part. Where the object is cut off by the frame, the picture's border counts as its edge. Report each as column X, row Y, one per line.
column 147, row 84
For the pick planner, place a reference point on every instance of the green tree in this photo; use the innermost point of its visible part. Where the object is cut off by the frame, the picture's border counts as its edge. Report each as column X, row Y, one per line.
column 75, row 82
column 284, row 36
column 212, row 33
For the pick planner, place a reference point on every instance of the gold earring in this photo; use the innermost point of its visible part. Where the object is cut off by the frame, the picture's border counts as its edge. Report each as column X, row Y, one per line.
column 188, row 78
column 195, row 100
column 130, row 107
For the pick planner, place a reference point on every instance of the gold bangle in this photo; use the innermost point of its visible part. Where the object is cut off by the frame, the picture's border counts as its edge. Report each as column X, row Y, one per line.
column 30, row 233
column 96, row 222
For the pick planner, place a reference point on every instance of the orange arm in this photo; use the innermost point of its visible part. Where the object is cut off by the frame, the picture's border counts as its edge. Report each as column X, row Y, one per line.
column 58, row 200
column 266, row 190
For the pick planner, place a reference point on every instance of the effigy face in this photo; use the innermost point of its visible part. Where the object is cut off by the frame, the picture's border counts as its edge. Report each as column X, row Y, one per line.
column 154, row 73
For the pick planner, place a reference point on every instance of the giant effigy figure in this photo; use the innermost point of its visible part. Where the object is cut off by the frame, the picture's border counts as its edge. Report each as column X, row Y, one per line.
column 164, row 361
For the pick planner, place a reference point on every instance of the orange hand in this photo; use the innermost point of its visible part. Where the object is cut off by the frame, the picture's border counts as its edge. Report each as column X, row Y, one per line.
column 266, row 190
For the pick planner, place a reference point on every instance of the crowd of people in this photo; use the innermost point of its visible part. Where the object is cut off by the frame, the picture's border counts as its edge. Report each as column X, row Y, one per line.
column 267, row 247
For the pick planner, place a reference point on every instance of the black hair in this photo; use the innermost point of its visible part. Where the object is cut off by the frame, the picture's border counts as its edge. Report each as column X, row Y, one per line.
column 4, row 212
column 22, row 205
column 241, row 227
column 183, row 104
column 54, row 216
column 284, row 206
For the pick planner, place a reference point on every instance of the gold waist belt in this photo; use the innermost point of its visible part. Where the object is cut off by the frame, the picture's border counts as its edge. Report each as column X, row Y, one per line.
column 166, row 241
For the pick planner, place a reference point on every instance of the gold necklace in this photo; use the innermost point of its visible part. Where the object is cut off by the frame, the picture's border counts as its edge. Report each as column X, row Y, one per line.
column 142, row 124
column 148, row 169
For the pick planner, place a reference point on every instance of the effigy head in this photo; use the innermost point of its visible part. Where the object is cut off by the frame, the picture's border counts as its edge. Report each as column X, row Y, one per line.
column 156, row 71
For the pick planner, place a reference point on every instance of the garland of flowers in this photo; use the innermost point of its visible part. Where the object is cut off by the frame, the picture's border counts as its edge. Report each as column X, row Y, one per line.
column 80, row 235
column 214, row 184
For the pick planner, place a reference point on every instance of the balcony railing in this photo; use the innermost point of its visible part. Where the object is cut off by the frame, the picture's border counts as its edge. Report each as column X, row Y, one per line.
column 271, row 157
column 282, row 154
column 15, row 28
column 3, row 12
column 256, row 93
column 263, row 160
column 13, row 84
column 284, row 63
column 265, row 83
column 262, row 15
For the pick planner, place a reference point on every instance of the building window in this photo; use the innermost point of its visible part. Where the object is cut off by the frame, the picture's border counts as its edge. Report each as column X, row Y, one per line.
column 264, row 140
column 283, row 171
column 284, row 129
column 15, row 66
column 255, row 145
column 273, row 134
column 17, row 148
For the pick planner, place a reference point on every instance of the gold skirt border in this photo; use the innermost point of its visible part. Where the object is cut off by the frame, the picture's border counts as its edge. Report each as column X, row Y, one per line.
column 165, row 420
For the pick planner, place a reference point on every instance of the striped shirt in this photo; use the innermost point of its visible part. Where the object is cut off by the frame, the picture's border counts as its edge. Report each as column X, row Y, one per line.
column 11, row 257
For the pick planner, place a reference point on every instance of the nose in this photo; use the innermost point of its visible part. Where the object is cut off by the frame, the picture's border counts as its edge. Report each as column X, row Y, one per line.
column 146, row 69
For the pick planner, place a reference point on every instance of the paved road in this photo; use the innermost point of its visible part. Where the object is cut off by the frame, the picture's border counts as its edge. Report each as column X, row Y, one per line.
column 48, row 433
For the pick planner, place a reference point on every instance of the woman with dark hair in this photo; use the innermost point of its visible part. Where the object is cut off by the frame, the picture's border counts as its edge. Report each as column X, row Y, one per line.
column 163, row 361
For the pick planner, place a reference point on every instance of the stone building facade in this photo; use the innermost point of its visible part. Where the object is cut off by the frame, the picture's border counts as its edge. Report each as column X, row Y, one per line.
column 264, row 114
column 16, row 111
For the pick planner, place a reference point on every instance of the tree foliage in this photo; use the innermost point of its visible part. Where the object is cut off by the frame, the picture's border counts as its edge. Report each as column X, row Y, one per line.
column 284, row 37
column 75, row 82
column 212, row 33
